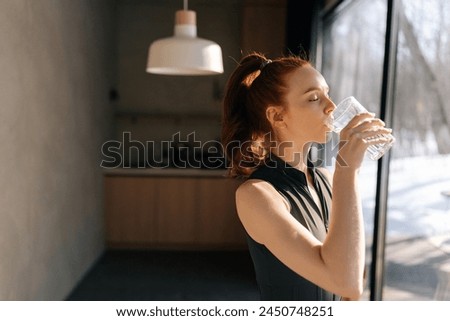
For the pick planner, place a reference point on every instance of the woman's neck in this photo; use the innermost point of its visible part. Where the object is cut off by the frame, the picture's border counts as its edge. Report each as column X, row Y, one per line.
column 294, row 154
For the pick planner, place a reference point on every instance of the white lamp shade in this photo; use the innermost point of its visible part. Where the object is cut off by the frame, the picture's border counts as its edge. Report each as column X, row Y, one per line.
column 184, row 53
column 185, row 56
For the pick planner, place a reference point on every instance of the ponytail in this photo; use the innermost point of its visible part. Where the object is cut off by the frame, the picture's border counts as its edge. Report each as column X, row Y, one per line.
column 255, row 84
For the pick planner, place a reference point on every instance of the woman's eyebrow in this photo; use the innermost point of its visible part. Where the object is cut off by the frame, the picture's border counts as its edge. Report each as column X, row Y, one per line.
column 316, row 89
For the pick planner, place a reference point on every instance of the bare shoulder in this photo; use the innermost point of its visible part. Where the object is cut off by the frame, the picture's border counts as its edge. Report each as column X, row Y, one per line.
column 255, row 191
column 251, row 186
column 259, row 205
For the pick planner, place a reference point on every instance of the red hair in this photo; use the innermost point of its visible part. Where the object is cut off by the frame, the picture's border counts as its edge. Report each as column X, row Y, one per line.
column 255, row 84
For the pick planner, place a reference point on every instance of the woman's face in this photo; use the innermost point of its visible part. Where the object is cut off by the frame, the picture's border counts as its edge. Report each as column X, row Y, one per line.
column 307, row 115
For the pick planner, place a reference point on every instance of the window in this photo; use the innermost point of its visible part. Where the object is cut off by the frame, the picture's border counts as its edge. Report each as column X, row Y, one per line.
column 353, row 43
column 418, row 226
column 352, row 64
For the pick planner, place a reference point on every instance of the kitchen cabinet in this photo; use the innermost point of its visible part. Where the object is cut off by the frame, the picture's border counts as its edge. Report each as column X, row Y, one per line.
column 172, row 211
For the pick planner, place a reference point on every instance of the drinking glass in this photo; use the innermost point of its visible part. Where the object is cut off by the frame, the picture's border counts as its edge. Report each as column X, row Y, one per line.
column 345, row 111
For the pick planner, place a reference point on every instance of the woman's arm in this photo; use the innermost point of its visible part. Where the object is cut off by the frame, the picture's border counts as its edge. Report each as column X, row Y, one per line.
column 266, row 218
column 344, row 246
column 337, row 264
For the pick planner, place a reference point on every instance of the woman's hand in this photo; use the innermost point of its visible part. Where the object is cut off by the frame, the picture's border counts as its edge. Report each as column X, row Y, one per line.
column 361, row 132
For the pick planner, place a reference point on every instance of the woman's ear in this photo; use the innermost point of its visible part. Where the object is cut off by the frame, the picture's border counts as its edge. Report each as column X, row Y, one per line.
column 275, row 116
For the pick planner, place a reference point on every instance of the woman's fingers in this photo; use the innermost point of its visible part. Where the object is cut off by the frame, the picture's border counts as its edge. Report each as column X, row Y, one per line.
column 361, row 132
column 361, row 118
column 375, row 136
column 364, row 126
column 370, row 131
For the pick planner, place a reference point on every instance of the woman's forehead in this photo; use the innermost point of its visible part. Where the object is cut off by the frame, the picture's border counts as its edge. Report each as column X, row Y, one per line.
column 306, row 78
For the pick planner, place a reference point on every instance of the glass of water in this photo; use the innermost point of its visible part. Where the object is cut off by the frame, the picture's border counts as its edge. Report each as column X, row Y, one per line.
column 345, row 111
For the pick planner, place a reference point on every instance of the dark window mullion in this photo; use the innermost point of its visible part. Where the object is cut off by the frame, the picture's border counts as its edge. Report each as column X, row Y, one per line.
column 386, row 113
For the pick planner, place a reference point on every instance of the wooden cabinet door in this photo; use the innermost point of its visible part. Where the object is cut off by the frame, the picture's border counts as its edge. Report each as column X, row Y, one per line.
column 130, row 207
column 172, row 212
column 176, row 211
column 218, row 222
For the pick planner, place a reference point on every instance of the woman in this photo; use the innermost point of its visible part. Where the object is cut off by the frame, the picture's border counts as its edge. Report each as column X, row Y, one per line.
column 304, row 245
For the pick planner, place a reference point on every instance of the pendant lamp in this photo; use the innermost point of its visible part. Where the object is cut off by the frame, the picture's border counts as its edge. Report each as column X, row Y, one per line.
column 184, row 54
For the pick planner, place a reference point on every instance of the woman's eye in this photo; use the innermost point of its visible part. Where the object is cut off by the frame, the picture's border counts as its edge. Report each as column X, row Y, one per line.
column 315, row 98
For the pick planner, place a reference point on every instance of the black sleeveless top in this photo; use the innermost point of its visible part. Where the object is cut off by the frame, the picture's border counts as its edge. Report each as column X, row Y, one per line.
column 275, row 280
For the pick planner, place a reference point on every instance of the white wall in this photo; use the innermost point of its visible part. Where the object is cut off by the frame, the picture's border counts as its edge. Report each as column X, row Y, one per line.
column 55, row 75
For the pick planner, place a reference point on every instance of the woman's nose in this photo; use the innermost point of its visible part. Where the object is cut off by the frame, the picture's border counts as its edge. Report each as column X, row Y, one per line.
column 330, row 106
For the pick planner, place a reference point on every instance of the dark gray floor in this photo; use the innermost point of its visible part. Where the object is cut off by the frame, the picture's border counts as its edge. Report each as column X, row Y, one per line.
column 169, row 276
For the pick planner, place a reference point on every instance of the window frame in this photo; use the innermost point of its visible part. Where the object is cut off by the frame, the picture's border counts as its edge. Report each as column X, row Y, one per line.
column 377, row 270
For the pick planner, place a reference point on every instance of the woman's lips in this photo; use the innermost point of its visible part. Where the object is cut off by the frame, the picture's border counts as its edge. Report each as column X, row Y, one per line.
column 329, row 123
